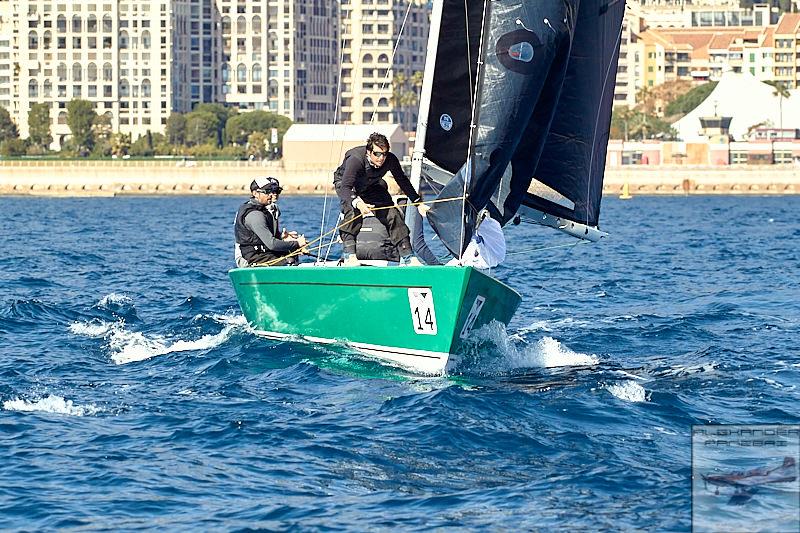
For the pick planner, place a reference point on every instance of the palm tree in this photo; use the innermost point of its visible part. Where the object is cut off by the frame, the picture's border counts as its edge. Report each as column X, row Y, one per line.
column 781, row 92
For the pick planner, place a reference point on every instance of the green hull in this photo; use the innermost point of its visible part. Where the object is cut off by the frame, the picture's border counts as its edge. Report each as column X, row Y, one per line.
column 415, row 317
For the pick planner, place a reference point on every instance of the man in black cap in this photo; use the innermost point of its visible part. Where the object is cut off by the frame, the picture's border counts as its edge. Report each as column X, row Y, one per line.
column 360, row 186
column 259, row 239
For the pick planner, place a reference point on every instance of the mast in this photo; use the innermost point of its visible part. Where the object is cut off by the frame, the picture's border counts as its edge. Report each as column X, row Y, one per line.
column 424, row 106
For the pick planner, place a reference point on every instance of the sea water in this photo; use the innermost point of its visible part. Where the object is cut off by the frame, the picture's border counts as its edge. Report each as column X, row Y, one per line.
column 133, row 393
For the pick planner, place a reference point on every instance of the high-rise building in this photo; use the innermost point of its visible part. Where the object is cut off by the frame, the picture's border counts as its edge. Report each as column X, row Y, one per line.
column 281, row 56
column 138, row 61
column 382, row 68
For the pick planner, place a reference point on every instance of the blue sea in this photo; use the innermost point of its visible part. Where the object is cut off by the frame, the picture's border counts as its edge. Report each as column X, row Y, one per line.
column 134, row 395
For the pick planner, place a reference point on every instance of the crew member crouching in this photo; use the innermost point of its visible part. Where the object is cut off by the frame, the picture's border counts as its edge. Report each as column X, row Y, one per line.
column 259, row 238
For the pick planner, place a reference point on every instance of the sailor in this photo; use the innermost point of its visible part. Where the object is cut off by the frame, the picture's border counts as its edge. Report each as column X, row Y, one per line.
column 362, row 191
column 259, row 239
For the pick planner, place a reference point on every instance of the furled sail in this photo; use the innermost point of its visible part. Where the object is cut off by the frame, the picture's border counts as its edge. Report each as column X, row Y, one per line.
column 490, row 120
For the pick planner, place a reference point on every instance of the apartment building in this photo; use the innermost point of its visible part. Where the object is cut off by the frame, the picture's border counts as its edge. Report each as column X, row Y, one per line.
column 370, row 33
column 138, row 61
column 281, row 56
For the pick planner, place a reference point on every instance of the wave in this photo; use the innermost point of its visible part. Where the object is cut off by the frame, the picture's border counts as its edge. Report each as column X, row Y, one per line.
column 51, row 404
column 114, row 299
column 515, row 353
column 629, row 391
column 127, row 346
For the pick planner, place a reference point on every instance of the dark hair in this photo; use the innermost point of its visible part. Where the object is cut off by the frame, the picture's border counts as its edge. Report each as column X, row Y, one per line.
column 378, row 139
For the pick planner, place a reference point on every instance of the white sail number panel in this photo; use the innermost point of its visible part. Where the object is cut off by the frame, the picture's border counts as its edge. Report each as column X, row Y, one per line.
column 423, row 315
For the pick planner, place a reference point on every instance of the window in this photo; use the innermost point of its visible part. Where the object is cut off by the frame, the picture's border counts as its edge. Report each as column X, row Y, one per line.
column 226, row 73
column 91, row 24
column 256, row 72
column 256, row 25
column 124, row 88
column 91, row 72
column 241, row 25
column 76, row 24
column 146, row 41
column 33, row 89
column 241, row 73
column 108, row 25
column 61, row 72
column 367, row 58
column 76, row 72
column 123, row 39
column 146, row 89
column 62, row 117
column 108, row 72
column 61, row 24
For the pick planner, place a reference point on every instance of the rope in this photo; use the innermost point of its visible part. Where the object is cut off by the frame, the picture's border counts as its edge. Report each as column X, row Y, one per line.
column 299, row 251
column 572, row 244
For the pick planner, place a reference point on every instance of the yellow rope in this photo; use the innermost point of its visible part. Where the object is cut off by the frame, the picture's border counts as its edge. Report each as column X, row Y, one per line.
column 300, row 251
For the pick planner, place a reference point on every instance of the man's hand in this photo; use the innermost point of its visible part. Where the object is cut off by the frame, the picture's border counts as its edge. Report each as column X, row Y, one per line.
column 288, row 234
column 423, row 210
column 362, row 206
column 301, row 240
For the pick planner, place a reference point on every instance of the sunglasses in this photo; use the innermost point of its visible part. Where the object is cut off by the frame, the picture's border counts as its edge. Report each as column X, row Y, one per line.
column 378, row 154
column 262, row 191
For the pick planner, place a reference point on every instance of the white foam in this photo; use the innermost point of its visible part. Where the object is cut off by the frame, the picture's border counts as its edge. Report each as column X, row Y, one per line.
column 128, row 346
column 91, row 329
column 630, row 391
column 114, row 298
column 51, row 404
column 132, row 346
column 547, row 352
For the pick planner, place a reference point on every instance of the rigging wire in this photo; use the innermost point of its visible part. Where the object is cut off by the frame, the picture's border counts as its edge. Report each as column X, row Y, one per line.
column 472, row 126
column 334, row 122
column 391, row 64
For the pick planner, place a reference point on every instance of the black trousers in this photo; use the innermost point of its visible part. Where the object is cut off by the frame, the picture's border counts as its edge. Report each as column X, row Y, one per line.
column 392, row 219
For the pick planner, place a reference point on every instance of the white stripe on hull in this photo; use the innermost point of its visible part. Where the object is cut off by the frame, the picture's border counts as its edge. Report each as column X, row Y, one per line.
column 424, row 361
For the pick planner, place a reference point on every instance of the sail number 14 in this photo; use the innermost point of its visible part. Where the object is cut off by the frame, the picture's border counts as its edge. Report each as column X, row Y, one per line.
column 423, row 314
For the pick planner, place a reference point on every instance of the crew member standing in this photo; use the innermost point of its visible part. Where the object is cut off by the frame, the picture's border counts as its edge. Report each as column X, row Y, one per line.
column 259, row 239
column 360, row 186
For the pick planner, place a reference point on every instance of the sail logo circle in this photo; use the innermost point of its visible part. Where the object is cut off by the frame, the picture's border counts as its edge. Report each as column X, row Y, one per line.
column 521, row 52
column 446, row 122
column 516, row 50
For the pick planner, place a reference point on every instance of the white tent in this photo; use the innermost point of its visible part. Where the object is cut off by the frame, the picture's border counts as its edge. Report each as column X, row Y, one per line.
column 748, row 101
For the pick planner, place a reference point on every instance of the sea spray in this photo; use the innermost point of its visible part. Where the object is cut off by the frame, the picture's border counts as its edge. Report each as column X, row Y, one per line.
column 491, row 349
column 51, row 404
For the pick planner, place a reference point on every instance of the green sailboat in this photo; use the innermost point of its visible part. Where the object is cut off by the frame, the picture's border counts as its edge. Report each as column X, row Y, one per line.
column 415, row 317
column 514, row 115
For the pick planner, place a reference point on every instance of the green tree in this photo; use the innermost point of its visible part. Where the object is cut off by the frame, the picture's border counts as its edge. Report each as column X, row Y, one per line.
column 39, row 126
column 627, row 124
column 13, row 147
column 143, row 147
column 176, row 129
column 120, row 144
column 688, row 101
column 202, row 127
column 8, row 130
column 239, row 127
column 222, row 113
column 80, row 119
column 257, row 145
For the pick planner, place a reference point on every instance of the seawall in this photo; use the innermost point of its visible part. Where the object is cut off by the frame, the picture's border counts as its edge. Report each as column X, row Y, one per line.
column 112, row 178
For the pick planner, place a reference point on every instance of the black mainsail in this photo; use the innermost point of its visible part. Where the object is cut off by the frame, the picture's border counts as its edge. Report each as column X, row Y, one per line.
column 501, row 113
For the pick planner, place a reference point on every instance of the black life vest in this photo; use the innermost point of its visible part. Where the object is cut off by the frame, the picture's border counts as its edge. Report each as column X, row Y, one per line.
column 249, row 243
